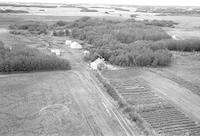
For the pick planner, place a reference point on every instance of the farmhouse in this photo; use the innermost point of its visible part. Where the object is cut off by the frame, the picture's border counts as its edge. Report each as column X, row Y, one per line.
column 98, row 64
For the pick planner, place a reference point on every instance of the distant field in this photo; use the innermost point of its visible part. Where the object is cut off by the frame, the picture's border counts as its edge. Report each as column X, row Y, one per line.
column 184, row 34
column 191, row 23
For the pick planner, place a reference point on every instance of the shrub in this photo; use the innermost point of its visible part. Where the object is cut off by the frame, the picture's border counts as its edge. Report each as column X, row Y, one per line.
column 28, row 59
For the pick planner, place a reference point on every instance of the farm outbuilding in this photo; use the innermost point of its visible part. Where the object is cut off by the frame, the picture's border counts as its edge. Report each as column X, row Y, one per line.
column 98, row 64
column 75, row 45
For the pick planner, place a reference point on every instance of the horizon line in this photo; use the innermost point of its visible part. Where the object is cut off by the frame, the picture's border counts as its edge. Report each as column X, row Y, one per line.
column 5, row 2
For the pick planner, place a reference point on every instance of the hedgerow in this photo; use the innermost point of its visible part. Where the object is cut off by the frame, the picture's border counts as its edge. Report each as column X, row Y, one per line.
column 177, row 45
column 24, row 59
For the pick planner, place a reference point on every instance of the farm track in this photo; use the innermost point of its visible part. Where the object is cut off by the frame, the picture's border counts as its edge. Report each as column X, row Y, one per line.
column 121, row 126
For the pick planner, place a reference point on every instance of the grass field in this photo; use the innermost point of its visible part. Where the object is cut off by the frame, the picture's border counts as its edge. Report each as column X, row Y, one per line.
column 35, row 104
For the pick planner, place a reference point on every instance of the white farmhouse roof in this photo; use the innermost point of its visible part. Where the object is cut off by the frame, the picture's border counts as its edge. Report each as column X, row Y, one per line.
column 75, row 45
column 94, row 64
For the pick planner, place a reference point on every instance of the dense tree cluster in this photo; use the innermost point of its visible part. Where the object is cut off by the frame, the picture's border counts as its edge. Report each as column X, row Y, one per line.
column 21, row 58
column 161, row 23
column 124, row 43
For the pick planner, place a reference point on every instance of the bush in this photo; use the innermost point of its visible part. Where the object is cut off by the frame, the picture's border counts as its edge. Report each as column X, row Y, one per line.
column 27, row 59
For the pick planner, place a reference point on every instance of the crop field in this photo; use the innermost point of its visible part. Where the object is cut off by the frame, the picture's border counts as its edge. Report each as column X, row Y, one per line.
column 163, row 116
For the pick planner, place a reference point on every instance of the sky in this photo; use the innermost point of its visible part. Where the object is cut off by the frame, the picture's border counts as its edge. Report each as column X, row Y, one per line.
column 124, row 2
